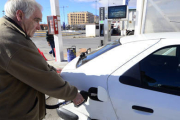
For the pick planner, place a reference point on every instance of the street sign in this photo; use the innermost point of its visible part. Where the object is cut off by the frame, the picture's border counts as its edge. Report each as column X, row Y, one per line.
column 52, row 25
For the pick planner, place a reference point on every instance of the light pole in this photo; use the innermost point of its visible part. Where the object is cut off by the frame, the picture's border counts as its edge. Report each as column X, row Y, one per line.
column 3, row 12
column 95, row 7
column 64, row 12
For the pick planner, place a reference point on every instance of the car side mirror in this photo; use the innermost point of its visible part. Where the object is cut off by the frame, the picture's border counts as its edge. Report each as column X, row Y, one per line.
column 102, row 94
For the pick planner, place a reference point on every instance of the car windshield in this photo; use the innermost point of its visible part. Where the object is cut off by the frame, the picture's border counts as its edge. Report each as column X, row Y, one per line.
column 84, row 58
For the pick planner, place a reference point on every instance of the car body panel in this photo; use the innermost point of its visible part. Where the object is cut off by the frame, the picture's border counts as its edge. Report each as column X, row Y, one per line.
column 96, row 72
column 160, row 102
column 84, row 78
column 105, row 71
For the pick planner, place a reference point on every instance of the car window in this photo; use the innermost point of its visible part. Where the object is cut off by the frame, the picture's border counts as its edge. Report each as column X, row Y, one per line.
column 159, row 71
column 170, row 51
column 87, row 57
column 160, row 68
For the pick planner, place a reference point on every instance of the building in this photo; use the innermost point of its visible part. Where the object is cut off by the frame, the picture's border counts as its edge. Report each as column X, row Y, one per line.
column 80, row 18
column 92, row 30
column 44, row 26
column 96, row 19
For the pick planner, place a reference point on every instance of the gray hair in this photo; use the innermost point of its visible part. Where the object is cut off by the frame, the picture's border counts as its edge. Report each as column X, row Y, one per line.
column 27, row 6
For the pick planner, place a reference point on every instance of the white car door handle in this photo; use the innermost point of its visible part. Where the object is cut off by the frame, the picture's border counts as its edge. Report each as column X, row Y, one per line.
column 144, row 109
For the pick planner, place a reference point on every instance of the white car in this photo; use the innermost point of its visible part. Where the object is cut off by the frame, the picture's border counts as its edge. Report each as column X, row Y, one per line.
column 140, row 76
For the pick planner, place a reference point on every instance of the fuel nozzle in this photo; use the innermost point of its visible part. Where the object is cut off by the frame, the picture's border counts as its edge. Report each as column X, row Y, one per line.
column 85, row 95
column 92, row 93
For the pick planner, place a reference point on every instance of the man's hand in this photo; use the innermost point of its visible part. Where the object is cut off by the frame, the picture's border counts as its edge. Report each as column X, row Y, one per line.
column 78, row 99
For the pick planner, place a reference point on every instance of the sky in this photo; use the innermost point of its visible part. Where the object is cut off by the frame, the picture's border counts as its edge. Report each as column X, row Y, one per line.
column 74, row 6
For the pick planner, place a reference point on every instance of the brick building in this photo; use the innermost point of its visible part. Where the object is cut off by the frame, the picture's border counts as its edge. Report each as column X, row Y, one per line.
column 80, row 18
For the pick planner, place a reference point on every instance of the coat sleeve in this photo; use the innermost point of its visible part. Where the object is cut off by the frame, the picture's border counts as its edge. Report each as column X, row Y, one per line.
column 28, row 66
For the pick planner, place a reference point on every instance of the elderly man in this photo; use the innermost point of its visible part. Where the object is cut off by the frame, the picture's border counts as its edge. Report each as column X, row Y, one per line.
column 24, row 74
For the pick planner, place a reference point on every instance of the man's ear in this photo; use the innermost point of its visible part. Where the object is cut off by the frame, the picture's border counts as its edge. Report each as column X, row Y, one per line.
column 19, row 15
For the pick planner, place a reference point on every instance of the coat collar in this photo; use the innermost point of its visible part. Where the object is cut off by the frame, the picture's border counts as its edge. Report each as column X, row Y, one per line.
column 16, row 26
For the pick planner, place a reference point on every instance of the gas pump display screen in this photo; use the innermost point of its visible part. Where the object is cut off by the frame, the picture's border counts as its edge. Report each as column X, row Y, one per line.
column 117, row 12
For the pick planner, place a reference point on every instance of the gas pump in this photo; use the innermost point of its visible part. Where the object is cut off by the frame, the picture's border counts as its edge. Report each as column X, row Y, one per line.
column 107, row 31
column 101, row 22
column 105, row 25
column 101, row 30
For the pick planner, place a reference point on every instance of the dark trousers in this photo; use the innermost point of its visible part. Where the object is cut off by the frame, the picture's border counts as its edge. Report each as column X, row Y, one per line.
column 51, row 42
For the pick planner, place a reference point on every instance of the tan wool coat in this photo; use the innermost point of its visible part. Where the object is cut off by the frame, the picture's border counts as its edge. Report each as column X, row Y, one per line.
column 25, row 76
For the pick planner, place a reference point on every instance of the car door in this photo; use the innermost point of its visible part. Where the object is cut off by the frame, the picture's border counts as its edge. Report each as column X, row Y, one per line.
column 148, row 86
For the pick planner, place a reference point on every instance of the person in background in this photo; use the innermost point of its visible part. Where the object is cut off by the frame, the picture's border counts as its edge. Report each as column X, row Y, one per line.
column 50, row 40
column 25, row 76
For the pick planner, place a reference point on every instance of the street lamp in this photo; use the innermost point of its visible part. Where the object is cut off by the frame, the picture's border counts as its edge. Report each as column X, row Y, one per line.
column 64, row 12
column 3, row 12
column 95, row 7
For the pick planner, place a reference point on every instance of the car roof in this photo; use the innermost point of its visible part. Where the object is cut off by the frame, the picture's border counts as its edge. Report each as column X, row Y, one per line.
column 150, row 36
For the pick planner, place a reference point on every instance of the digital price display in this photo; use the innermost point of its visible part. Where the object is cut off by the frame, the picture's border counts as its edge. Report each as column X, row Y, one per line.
column 117, row 12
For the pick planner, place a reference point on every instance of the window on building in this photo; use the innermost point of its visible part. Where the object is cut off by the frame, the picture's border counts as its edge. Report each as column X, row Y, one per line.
column 97, row 26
